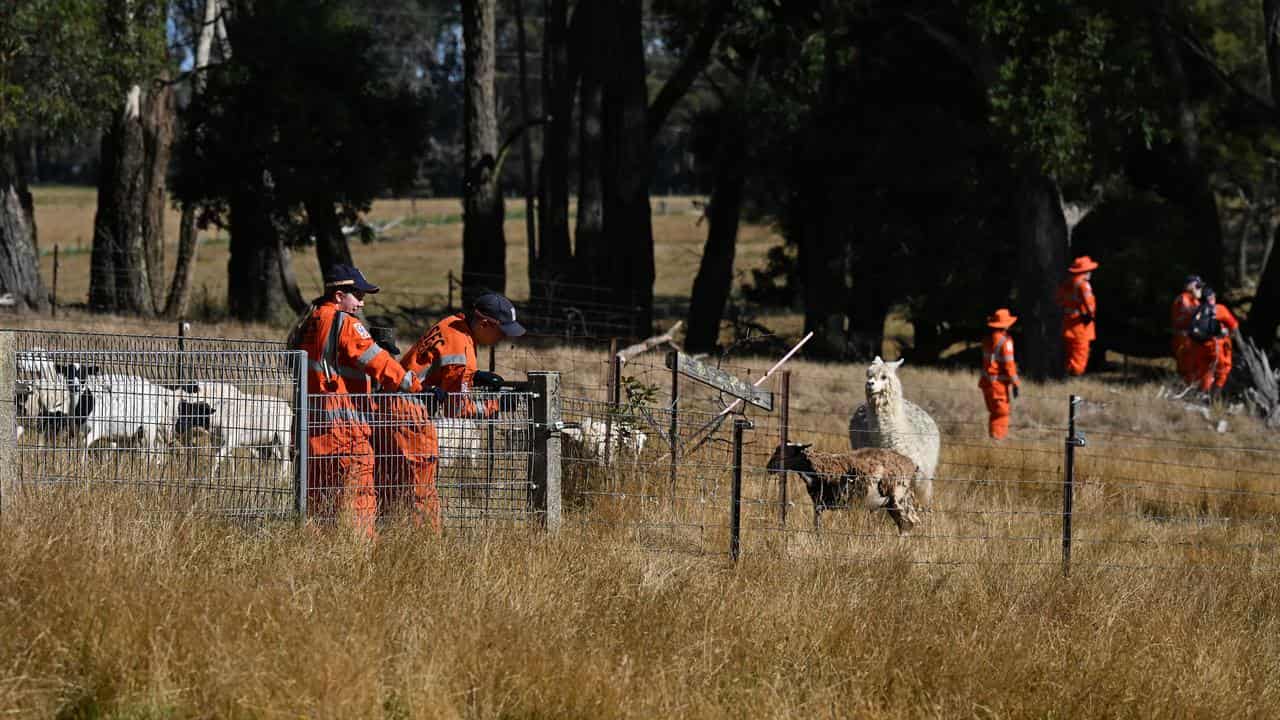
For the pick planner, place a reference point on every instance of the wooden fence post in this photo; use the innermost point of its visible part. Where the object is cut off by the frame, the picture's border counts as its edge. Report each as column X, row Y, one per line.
column 547, row 424
column 8, row 414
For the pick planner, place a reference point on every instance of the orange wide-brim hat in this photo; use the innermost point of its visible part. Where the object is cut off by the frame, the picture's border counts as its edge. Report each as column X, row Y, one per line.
column 1084, row 263
column 1001, row 319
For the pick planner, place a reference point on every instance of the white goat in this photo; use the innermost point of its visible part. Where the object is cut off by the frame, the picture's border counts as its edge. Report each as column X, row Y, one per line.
column 238, row 419
column 124, row 407
column 593, row 435
column 48, row 400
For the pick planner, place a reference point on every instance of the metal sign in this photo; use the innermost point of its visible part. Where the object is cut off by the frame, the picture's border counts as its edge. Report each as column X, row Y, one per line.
column 719, row 380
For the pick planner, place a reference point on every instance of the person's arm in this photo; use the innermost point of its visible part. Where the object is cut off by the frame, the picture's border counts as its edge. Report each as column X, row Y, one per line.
column 356, row 349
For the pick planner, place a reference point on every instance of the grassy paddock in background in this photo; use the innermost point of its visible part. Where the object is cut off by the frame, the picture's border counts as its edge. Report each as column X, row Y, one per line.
column 411, row 260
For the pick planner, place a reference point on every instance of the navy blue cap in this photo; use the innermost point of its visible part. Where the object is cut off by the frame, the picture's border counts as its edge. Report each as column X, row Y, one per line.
column 1206, row 291
column 493, row 305
column 1193, row 279
column 347, row 278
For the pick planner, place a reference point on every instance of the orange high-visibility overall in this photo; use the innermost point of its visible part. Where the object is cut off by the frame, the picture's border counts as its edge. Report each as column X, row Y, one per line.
column 446, row 357
column 1184, row 306
column 999, row 374
column 1075, row 295
column 407, row 457
column 1213, row 357
column 341, row 361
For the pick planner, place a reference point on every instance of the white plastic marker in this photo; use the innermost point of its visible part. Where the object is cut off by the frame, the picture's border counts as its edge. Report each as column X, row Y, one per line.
column 766, row 376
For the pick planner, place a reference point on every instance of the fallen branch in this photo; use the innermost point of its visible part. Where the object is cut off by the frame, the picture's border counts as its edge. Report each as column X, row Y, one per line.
column 645, row 346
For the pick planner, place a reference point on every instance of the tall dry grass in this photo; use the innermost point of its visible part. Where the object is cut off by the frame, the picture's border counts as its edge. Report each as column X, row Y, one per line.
column 107, row 613
column 110, row 610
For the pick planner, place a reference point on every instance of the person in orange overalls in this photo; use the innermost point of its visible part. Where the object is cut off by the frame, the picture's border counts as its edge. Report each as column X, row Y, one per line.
column 406, row 450
column 445, row 356
column 1075, row 295
column 1184, row 306
column 342, row 362
column 1213, row 356
column 999, row 381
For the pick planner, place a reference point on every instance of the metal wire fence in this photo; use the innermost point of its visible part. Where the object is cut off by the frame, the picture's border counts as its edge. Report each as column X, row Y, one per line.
column 649, row 454
column 226, row 428
column 210, row 431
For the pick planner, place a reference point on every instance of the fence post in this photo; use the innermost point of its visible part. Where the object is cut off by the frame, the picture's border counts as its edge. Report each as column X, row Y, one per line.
column 1068, row 482
column 545, row 481
column 614, row 384
column 8, row 414
column 674, row 432
column 783, row 436
column 301, row 400
column 53, row 292
column 735, row 511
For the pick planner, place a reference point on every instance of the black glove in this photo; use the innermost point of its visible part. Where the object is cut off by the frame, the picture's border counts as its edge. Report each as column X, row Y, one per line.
column 1014, row 390
column 438, row 394
column 1086, row 318
column 485, row 380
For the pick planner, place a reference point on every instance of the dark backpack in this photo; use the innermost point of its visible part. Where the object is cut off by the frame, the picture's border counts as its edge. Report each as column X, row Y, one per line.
column 1204, row 324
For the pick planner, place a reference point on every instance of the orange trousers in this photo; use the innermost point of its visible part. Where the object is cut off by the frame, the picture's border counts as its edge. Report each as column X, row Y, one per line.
column 1184, row 355
column 407, row 456
column 1077, row 354
column 340, row 475
column 997, row 396
column 1212, row 363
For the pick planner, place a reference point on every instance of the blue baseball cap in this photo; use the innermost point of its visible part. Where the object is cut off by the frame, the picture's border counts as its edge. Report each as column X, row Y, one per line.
column 347, row 278
column 497, row 307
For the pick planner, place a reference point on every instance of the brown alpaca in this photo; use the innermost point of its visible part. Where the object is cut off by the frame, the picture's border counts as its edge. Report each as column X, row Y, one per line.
column 878, row 477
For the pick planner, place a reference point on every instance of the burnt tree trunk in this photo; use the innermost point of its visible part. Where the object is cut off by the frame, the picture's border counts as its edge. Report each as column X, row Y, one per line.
column 1042, row 260
column 484, row 248
column 127, row 272
column 258, row 271
column 558, row 81
column 526, row 144
column 589, row 252
column 19, row 264
column 1264, row 316
column 1192, row 183
column 821, row 249
column 714, row 282
column 331, row 244
column 627, row 220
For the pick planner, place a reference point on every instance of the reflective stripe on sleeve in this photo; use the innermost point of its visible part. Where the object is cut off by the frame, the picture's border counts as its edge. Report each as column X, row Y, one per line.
column 368, row 355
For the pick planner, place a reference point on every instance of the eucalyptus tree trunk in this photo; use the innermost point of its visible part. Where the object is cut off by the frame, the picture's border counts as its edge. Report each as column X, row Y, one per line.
column 714, row 282
column 1264, row 317
column 590, row 253
column 127, row 264
column 175, row 306
column 484, row 248
column 1042, row 263
column 627, row 159
column 331, row 244
column 559, row 76
column 19, row 264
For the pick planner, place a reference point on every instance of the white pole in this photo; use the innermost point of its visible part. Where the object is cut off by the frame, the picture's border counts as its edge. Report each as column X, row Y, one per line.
column 766, row 376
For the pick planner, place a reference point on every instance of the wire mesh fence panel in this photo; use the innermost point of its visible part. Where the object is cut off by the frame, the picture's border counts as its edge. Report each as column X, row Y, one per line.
column 206, row 431
column 460, row 462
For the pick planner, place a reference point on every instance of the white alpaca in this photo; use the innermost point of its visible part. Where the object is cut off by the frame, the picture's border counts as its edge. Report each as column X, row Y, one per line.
column 887, row 420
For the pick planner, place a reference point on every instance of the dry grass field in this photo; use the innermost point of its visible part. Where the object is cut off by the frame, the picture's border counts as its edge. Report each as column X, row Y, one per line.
column 1172, row 608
